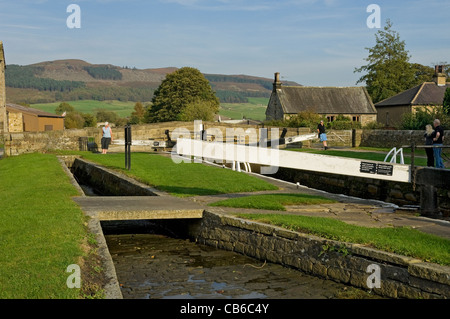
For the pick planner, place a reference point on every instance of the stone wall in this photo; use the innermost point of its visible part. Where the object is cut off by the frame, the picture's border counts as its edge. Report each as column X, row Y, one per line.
column 19, row 143
column 107, row 182
column 400, row 194
column 400, row 276
column 392, row 138
column 73, row 139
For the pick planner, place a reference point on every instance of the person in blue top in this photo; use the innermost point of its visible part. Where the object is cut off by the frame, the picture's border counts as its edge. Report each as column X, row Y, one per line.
column 322, row 134
column 438, row 141
column 106, row 137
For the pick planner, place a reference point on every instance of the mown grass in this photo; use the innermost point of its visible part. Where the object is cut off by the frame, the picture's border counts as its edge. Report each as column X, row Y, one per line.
column 272, row 201
column 123, row 109
column 371, row 156
column 181, row 179
column 255, row 109
column 41, row 228
column 400, row 240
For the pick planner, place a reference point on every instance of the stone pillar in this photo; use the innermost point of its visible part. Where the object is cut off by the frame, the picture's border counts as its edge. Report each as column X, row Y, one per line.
column 429, row 201
column 3, row 122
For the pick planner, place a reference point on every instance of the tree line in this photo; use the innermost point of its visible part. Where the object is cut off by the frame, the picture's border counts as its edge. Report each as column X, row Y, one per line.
column 25, row 77
column 103, row 72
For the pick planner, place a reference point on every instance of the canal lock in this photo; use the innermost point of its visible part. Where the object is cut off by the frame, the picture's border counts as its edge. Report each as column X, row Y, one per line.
column 158, row 259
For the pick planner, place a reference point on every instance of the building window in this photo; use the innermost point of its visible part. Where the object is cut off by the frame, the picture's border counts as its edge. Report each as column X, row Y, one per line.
column 48, row 127
column 330, row 118
column 355, row 118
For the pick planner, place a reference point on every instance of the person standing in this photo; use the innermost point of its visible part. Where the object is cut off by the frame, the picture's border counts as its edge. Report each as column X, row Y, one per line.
column 322, row 134
column 438, row 140
column 106, row 137
column 429, row 135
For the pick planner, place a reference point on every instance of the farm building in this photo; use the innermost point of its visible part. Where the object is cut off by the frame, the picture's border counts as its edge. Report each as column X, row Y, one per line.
column 352, row 102
column 25, row 119
column 426, row 95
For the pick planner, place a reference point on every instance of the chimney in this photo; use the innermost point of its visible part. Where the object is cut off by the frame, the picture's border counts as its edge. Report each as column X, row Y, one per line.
column 439, row 76
column 277, row 83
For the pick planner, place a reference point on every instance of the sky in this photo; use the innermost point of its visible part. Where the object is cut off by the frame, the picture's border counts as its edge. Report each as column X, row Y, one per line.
column 311, row 42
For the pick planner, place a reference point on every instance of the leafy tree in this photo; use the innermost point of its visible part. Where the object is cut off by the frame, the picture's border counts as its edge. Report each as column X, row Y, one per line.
column 198, row 110
column 388, row 71
column 177, row 90
column 74, row 120
column 106, row 116
column 138, row 115
column 423, row 116
column 64, row 107
column 446, row 102
column 422, row 73
column 89, row 120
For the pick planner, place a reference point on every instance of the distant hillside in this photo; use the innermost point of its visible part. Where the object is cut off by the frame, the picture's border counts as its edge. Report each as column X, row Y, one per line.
column 68, row 80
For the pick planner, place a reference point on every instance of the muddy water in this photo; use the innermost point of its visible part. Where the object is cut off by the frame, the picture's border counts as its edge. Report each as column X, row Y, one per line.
column 152, row 266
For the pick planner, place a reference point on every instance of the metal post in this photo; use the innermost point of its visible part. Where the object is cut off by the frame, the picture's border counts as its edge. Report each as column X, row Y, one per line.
column 128, row 147
column 413, row 169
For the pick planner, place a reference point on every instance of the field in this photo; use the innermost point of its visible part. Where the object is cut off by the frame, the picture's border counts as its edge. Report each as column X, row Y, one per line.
column 123, row 109
column 255, row 109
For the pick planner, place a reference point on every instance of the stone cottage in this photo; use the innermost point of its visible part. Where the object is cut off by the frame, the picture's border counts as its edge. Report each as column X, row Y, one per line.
column 426, row 95
column 352, row 102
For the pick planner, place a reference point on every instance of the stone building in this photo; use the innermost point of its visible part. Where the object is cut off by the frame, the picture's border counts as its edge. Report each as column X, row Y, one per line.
column 26, row 119
column 352, row 102
column 426, row 95
column 3, row 123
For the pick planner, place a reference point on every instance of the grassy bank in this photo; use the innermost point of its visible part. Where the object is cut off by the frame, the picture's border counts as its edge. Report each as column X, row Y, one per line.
column 42, row 229
column 272, row 201
column 369, row 155
column 123, row 109
column 400, row 240
column 181, row 179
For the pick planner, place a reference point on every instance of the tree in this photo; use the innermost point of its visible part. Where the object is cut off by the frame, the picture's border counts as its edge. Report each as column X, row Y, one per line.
column 422, row 73
column 138, row 115
column 199, row 110
column 64, row 107
column 106, row 116
column 74, row 120
column 446, row 102
column 178, row 90
column 388, row 70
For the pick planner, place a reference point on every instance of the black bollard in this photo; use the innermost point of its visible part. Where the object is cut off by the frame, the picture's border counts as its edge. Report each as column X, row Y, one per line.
column 128, row 147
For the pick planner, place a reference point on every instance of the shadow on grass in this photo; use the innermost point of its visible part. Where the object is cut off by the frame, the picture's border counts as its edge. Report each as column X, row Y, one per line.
column 181, row 191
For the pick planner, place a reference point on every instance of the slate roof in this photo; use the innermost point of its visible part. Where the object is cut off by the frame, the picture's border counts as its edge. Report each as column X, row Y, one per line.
column 427, row 93
column 326, row 100
column 29, row 110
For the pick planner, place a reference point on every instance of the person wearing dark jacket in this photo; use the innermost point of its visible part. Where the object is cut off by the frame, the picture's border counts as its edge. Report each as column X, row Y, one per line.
column 322, row 134
column 438, row 140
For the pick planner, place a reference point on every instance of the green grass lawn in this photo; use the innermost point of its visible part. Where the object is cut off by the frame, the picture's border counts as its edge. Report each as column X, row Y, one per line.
column 41, row 228
column 372, row 156
column 255, row 109
column 183, row 179
column 400, row 240
column 272, row 201
column 123, row 109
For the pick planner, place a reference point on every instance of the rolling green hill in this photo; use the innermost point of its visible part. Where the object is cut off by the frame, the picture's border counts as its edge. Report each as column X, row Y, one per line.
column 72, row 80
